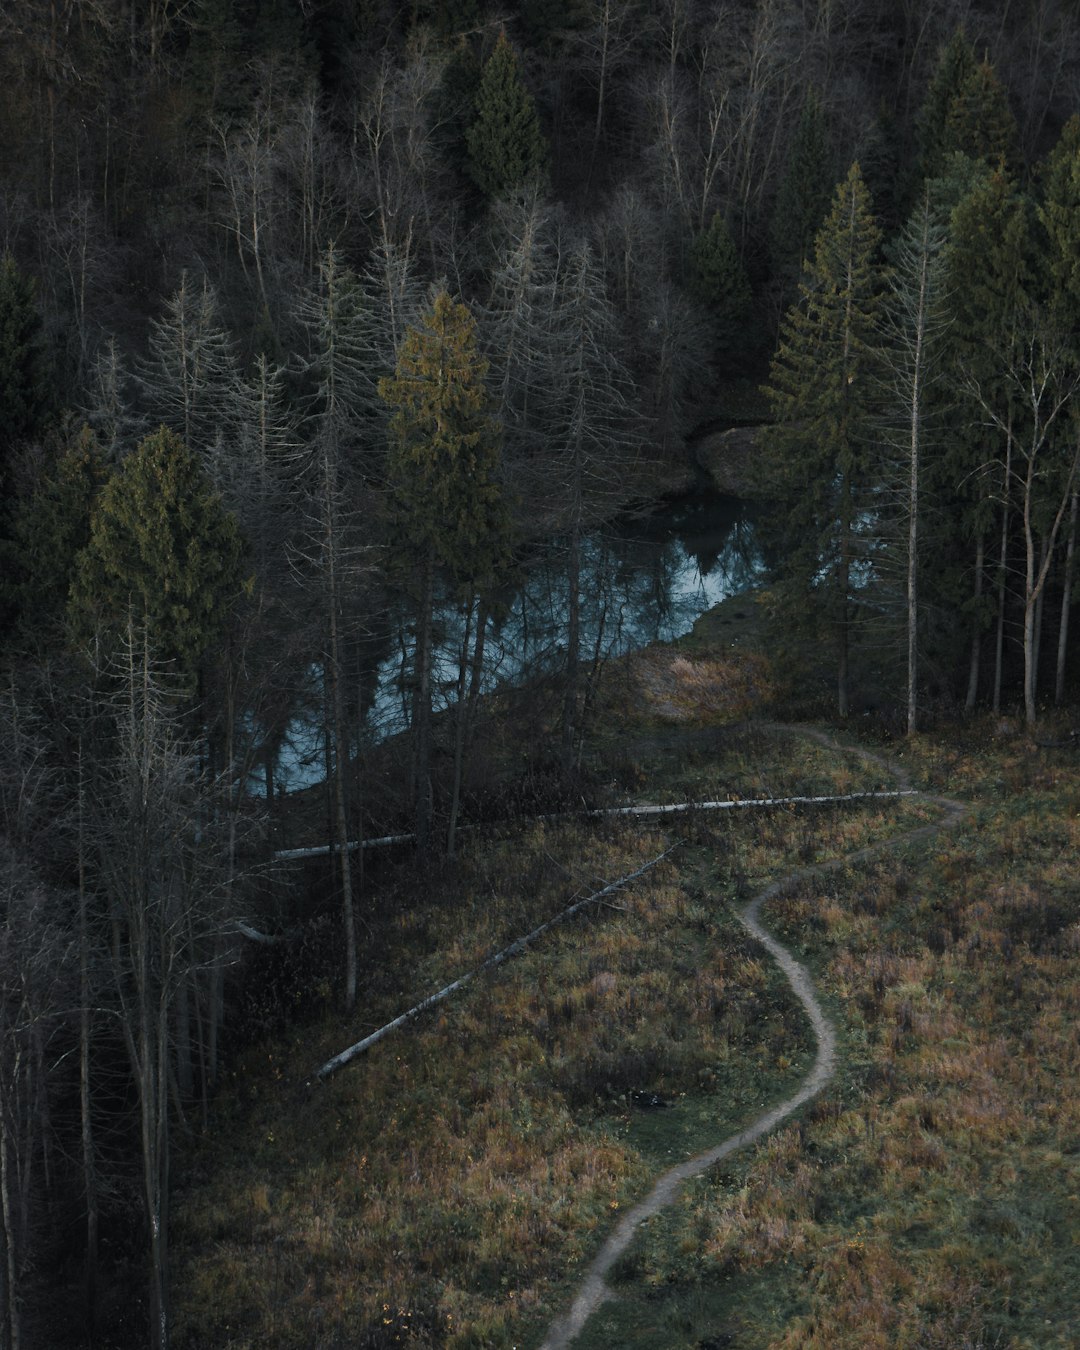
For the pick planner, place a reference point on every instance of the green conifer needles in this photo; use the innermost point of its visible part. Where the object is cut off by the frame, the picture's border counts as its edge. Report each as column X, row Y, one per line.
column 506, row 148
column 23, row 392
column 163, row 550
column 444, row 453
column 822, row 396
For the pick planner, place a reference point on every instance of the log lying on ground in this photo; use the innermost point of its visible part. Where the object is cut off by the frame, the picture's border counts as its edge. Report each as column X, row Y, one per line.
column 599, row 812
column 339, row 1061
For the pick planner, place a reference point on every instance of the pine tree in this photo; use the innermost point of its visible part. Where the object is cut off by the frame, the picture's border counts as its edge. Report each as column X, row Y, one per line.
column 24, row 395
column 805, row 191
column 1059, row 217
column 506, row 146
column 966, row 111
column 446, row 501
column 52, row 528
column 720, row 280
column 955, row 64
column 162, row 553
column 979, row 122
column 818, row 472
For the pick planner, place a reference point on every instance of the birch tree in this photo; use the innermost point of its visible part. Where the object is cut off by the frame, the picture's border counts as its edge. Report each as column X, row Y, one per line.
column 157, row 871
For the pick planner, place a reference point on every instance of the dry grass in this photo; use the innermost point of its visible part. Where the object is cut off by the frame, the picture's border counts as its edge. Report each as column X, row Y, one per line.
column 443, row 1190
column 931, row 1200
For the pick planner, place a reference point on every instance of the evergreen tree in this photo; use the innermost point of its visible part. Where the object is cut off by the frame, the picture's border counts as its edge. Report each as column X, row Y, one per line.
column 162, row 553
column 23, row 389
column 448, row 17
column 52, row 528
column 720, row 280
column 455, row 104
column 1059, row 217
column 955, row 64
column 979, row 122
column 819, row 473
column 989, row 279
column 506, row 146
column 805, row 191
column 966, row 111
column 446, row 501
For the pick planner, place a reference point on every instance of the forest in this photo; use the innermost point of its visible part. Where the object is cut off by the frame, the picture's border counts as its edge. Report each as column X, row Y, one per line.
column 324, row 326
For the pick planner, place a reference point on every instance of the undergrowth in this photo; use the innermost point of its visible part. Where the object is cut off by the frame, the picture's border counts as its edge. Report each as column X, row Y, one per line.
column 930, row 1198
column 447, row 1188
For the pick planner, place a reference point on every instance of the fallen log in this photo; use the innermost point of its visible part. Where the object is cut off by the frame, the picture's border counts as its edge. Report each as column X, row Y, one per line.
column 339, row 1061
column 600, row 812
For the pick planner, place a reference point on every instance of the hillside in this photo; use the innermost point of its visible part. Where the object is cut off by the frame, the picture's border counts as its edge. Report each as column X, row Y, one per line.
column 449, row 1187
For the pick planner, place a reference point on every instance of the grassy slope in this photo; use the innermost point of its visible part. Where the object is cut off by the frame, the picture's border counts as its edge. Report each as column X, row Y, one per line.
column 931, row 1198
column 447, row 1188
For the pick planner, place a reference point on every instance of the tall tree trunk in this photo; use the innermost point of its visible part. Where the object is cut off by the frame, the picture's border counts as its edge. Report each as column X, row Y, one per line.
column 976, row 633
column 339, row 770
column 10, row 1308
column 422, row 792
column 153, row 1081
column 913, row 540
column 999, row 640
column 1037, row 652
column 89, row 1168
column 573, row 652
column 843, row 675
column 1066, row 598
column 460, row 725
column 337, row 716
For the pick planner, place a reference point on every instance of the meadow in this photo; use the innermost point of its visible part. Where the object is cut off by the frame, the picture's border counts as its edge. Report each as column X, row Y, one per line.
column 448, row 1187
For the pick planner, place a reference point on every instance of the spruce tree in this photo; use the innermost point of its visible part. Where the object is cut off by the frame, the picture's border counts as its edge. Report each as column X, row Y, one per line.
column 162, row 553
column 506, row 147
column 966, row 111
column 23, row 388
column 955, row 64
column 1059, row 218
column 818, row 470
column 446, row 501
column 805, row 191
column 720, row 281
column 979, row 122
column 51, row 529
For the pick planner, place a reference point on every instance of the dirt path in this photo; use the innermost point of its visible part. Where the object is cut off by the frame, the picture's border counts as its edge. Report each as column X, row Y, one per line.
column 594, row 1289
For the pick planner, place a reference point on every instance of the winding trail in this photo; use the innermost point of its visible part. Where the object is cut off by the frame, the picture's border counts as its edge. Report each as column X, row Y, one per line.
column 594, row 1289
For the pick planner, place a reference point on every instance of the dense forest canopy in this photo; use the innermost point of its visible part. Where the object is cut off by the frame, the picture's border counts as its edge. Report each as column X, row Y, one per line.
column 322, row 320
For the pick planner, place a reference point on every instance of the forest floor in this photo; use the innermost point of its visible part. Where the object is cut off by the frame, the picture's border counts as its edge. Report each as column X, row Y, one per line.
column 631, row 1325
column 453, row 1186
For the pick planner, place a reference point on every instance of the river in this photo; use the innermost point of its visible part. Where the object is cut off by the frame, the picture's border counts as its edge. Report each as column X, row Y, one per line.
column 647, row 578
